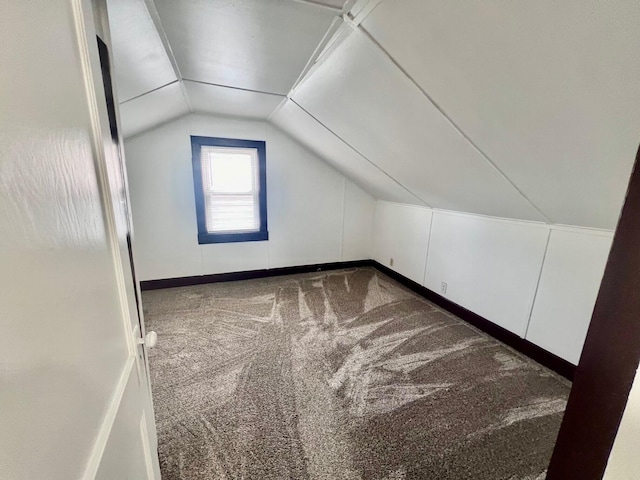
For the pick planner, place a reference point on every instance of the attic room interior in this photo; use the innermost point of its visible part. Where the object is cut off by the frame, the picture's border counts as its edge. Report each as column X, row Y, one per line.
column 319, row 239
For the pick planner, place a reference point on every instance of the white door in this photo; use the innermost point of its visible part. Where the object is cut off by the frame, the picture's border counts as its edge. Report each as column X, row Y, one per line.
column 75, row 399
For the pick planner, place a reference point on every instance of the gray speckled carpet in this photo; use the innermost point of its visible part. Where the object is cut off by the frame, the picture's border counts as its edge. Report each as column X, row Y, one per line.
column 340, row 375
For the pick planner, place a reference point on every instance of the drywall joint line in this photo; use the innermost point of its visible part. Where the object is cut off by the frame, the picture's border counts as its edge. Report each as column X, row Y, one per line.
column 234, row 88
column 356, row 150
column 155, row 127
column 426, row 259
column 324, row 41
column 348, row 5
column 365, row 11
column 319, row 4
column 157, row 22
column 185, row 95
column 450, row 120
column 344, row 209
column 150, row 91
column 277, row 109
column 341, row 33
column 535, row 293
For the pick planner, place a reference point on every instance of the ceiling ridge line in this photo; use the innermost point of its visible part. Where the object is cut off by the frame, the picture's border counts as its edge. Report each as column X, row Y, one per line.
column 360, row 154
column 368, row 35
column 234, row 88
column 185, row 95
column 277, row 109
column 326, row 39
column 164, row 39
column 150, row 91
column 157, row 22
column 366, row 10
column 341, row 33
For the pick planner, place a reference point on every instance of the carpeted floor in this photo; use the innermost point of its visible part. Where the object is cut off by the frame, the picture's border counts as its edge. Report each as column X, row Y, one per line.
column 340, row 375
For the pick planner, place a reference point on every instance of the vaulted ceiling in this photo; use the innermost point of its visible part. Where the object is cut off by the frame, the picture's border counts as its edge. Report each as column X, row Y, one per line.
column 521, row 109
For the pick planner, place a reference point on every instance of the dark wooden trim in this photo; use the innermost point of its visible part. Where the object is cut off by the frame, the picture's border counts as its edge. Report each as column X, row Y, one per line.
column 610, row 356
column 540, row 355
column 259, row 236
column 248, row 275
column 204, row 236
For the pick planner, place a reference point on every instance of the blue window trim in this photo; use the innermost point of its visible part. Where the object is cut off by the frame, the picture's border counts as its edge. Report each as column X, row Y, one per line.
column 206, row 237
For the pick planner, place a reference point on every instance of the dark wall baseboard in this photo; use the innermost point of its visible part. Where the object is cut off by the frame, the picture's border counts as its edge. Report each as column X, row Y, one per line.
column 549, row 360
column 531, row 350
column 249, row 274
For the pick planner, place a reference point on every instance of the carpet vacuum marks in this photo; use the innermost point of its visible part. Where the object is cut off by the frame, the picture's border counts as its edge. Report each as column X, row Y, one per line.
column 340, row 375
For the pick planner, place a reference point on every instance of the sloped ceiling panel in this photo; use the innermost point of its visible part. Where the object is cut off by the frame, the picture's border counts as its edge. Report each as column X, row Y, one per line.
column 365, row 99
column 216, row 100
column 155, row 108
column 140, row 61
column 260, row 45
column 548, row 90
column 305, row 129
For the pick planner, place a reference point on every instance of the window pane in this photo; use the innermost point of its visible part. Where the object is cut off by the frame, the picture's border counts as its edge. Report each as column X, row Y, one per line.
column 232, row 213
column 226, row 171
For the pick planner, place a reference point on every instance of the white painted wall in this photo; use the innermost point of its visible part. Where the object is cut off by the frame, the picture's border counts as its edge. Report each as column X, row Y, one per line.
column 491, row 266
column 359, row 210
column 573, row 269
column 498, row 268
column 315, row 214
column 624, row 461
column 401, row 233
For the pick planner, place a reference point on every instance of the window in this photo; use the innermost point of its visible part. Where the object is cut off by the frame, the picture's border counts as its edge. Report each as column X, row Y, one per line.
column 230, row 188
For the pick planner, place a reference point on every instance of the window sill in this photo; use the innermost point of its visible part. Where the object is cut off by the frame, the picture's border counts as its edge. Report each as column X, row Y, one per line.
column 204, row 238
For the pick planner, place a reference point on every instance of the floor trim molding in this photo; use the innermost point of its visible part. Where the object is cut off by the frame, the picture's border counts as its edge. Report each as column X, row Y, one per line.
column 531, row 350
column 249, row 274
column 540, row 355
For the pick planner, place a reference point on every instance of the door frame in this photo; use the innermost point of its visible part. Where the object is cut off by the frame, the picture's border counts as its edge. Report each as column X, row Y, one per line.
column 610, row 356
column 85, row 20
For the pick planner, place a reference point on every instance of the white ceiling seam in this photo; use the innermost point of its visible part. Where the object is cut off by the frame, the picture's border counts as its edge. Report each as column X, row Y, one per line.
column 347, row 178
column 153, row 108
column 361, row 155
column 343, row 32
column 278, row 108
column 451, row 121
column 139, row 58
column 156, row 126
column 294, row 122
column 148, row 92
column 321, row 4
column 221, row 100
column 357, row 7
column 157, row 21
column 234, row 88
column 348, row 5
column 185, row 95
column 317, row 53
column 364, row 12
